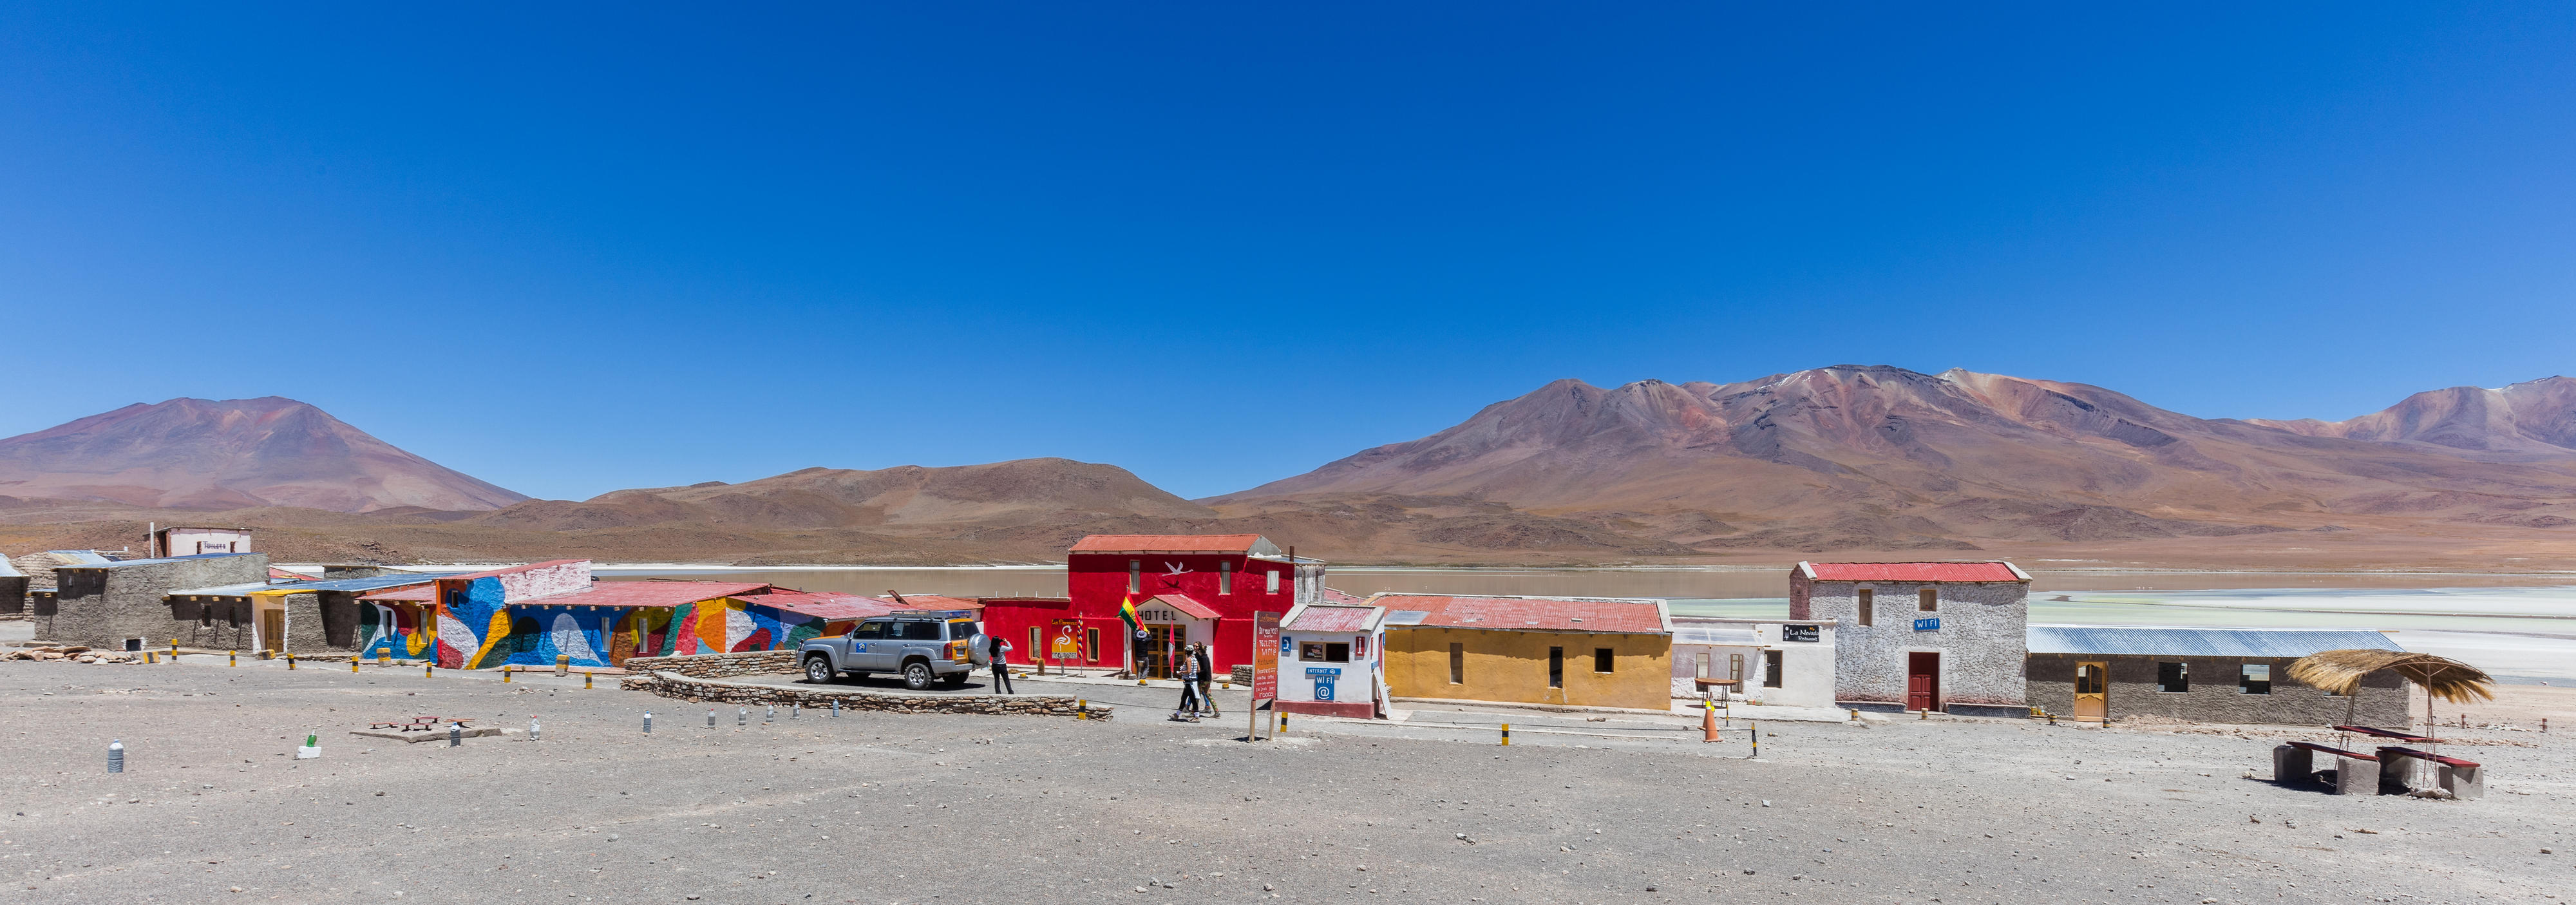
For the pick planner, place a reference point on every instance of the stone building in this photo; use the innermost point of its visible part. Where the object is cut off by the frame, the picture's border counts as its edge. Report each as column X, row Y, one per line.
column 13, row 589
column 125, row 605
column 1946, row 636
column 2106, row 673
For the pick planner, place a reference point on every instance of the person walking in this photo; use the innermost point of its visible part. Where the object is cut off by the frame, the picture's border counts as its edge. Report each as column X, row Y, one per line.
column 1188, row 710
column 1207, row 676
column 1000, row 655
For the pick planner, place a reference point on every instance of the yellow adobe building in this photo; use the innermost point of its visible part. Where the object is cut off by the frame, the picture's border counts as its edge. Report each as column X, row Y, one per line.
column 1571, row 651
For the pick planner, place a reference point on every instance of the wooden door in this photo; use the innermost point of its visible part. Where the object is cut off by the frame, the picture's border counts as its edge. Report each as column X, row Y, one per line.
column 2092, row 692
column 1922, row 681
column 1161, row 642
column 272, row 630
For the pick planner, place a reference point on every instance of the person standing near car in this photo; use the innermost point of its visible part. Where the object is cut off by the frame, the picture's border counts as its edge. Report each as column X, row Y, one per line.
column 1207, row 676
column 999, row 651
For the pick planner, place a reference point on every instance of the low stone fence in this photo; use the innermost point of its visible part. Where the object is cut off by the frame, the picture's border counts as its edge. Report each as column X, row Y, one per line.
column 671, row 684
column 718, row 666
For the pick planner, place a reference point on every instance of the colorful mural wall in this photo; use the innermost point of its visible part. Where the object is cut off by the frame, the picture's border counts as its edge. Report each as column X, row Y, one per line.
column 395, row 630
column 476, row 631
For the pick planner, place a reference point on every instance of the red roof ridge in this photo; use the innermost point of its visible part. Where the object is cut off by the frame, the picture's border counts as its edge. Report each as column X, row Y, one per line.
column 1982, row 570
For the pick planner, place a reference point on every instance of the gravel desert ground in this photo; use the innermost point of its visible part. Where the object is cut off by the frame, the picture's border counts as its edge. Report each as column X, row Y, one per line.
column 892, row 808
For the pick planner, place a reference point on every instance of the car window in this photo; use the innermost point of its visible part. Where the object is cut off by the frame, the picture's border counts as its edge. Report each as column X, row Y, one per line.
column 919, row 631
column 961, row 630
column 870, row 631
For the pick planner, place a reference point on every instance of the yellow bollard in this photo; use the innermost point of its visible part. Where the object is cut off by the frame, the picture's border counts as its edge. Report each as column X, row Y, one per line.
column 1081, row 708
column 1283, row 721
column 353, row 664
column 563, row 664
column 585, row 680
column 147, row 658
column 429, row 670
column 384, row 658
column 505, row 675
column 1507, row 735
column 290, row 661
column 232, row 658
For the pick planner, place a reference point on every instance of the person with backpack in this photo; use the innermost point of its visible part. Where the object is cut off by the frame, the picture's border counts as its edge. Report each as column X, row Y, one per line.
column 1000, row 653
column 1207, row 676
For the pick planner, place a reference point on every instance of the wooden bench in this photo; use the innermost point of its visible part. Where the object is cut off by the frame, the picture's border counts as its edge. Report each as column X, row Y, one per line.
column 2296, row 763
column 2338, row 752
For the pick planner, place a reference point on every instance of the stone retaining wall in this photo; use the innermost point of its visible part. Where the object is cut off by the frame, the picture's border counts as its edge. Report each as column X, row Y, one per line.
column 719, row 666
column 671, row 684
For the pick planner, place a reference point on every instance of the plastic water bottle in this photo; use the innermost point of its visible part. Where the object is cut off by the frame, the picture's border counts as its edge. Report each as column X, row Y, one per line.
column 116, row 756
column 648, row 722
column 532, row 729
column 455, row 735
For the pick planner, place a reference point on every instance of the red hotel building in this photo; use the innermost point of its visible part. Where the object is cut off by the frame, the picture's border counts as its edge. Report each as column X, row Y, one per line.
column 1187, row 588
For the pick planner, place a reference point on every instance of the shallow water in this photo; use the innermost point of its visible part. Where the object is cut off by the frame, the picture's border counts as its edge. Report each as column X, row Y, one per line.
column 2522, row 627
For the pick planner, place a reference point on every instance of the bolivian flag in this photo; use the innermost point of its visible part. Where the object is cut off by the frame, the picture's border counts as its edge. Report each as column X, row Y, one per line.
column 1127, row 612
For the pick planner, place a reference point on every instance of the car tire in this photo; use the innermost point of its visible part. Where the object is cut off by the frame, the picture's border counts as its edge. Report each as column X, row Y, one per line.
column 818, row 670
column 916, row 676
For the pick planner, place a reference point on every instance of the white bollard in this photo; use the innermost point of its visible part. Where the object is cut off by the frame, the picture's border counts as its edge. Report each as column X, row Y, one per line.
column 116, row 755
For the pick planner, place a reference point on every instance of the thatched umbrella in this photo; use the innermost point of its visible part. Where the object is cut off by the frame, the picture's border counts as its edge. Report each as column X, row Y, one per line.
column 2340, row 672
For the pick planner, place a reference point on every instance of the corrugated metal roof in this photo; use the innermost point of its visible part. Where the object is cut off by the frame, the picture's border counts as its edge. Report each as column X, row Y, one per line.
column 512, row 570
column 417, row 594
column 374, row 583
column 1703, row 634
column 1172, row 543
column 104, row 564
column 8, row 570
column 1623, row 615
column 826, row 606
column 1913, row 571
column 644, row 594
column 226, row 590
column 1325, row 617
column 81, row 557
column 1342, row 598
column 2201, row 642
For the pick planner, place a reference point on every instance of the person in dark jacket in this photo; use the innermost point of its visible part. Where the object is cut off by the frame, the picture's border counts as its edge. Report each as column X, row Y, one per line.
column 1207, row 676
column 1000, row 652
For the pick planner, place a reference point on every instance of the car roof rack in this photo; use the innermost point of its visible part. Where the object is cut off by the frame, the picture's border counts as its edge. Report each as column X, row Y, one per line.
column 943, row 614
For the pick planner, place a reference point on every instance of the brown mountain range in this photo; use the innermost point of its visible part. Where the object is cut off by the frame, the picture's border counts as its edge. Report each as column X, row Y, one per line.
column 205, row 454
column 1851, row 460
column 1884, row 458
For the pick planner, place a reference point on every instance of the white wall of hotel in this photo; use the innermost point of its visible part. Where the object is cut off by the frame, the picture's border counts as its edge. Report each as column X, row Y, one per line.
column 1786, row 664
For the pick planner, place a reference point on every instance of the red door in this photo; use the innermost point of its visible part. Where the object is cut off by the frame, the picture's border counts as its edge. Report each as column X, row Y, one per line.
column 1922, row 681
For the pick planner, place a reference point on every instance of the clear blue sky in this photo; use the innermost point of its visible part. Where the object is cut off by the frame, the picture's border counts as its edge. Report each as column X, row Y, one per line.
column 571, row 250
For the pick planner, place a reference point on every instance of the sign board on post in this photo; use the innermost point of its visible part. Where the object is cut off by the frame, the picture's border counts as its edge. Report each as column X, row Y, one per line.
column 1066, row 643
column 1265, row 669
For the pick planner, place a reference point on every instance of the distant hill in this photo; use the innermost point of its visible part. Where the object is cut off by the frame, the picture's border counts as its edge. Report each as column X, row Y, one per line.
column 1000, row 494
column 208, row 455
column 1876, row 457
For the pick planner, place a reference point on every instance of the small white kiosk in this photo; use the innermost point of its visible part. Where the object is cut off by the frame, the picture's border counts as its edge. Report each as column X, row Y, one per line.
column 1332, row 660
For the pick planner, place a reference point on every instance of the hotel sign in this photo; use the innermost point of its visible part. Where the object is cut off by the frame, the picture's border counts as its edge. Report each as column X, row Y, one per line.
column 1805, row 633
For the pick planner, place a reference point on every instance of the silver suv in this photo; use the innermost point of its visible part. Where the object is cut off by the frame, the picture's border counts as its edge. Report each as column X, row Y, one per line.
column 924, row 647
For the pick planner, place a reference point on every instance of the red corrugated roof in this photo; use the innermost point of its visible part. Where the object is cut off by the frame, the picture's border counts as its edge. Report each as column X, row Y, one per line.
column 826, row 606
column 1637, row 617
column 1912, row 571
column 1346, row 598
column 1183, row 603
column 938, row 602
column 1326, row 618
column 643, row 594
column 419, row 593
column 1166, row 543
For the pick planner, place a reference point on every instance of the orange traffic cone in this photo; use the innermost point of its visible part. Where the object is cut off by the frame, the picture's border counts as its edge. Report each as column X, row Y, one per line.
column 1707, row 723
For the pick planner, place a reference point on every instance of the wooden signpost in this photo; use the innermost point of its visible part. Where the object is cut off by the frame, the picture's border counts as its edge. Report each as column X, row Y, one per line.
column 1265, row 670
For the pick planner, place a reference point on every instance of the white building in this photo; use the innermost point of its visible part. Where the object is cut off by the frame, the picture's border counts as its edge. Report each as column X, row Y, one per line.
column 183, row 541
column 1948, row 636
column 1332, row 660
column 1773, row 662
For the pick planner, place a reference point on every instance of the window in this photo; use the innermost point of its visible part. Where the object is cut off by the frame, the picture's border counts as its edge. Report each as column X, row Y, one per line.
column 1324, row 652
column 2173, row 678
column 869, row 631
column 1556, row 667
column 1735, row 667
column 1457, row 663
column 1868, row 606
column 1274, row 581
column 1091, row 644
column 1702, row 658
column 1927, row 600
column 1601, row 659
column 1770, row 669
column 1225, row 578
column 2255, row 678
column 1135, row 576
column 1037, row 652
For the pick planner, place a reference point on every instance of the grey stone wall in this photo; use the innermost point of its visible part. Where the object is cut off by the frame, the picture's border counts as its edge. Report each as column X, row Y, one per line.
column 670, row 684
column 719, row 666
column 1983, row 638
column 13, row 595
column 212, row 624
column 304, row 625
column 2214, row 695
column 101, row 606
column 339, row 612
